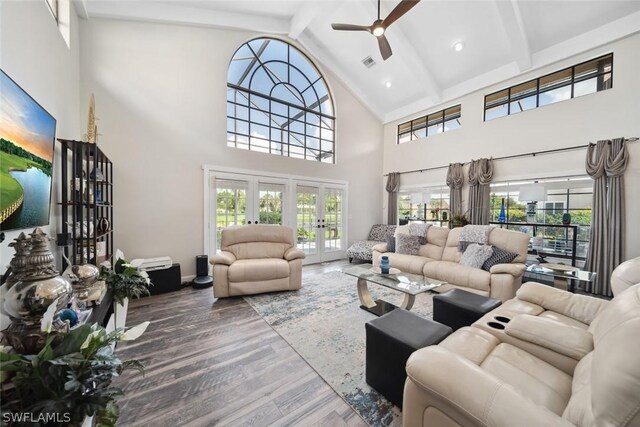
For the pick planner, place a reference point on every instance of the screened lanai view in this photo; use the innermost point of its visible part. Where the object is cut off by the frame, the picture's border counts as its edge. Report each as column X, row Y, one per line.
column 278, row 103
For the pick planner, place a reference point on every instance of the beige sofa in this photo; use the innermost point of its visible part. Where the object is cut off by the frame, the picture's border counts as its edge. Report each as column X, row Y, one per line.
column 439, row 258
column 473, row 378
column 476, row 377
column 255, row 259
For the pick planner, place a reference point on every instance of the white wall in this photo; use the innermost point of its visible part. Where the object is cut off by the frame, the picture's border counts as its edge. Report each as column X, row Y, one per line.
column 34, row 54
column 161, row 99
column 604, row 115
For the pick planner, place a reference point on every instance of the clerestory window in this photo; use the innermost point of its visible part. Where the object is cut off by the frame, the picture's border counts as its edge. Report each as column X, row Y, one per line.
column 278, row 103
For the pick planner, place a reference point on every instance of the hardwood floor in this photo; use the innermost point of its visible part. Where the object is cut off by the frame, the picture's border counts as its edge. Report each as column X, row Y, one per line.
column 216, row 362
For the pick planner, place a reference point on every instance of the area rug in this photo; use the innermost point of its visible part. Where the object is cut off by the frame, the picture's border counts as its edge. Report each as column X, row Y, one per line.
column 323, row 322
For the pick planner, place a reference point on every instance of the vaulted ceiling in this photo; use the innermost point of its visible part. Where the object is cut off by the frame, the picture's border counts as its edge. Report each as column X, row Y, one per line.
column 502, row 38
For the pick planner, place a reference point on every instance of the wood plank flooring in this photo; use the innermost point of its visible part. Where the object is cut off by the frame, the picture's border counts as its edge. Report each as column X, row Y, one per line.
column 216, row 362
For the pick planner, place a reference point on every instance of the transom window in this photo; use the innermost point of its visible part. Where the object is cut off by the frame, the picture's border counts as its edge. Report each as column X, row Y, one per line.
column 582, row 79
column 431, row 124
column 278, row 103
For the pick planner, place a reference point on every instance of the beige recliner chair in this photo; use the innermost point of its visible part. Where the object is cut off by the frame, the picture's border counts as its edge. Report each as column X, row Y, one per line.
column 256, row 259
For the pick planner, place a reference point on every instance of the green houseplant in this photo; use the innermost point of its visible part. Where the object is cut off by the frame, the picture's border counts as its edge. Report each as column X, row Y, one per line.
column 125, row 280
column 69, row 379
column 459, row 220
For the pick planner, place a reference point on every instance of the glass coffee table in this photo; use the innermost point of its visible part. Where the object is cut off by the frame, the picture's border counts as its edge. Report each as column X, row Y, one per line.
column 409, row 284
column 564, row 276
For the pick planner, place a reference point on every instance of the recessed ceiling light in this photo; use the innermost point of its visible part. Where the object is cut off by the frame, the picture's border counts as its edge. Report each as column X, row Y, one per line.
column 388, row 84
column 458, row 46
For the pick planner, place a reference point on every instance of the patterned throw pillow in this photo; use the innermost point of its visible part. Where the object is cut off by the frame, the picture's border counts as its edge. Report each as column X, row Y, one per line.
column 407, row 244
column 476, row 255
column 391, row 242
column 378, row 232
column 498, row 256
column 419, row 229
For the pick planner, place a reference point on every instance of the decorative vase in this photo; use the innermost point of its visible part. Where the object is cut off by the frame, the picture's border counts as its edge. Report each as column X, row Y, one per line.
column 503, row 216
column 103, row 225
column 566, row 219
column 38, row 287
column 445, row 215
column 384, row 264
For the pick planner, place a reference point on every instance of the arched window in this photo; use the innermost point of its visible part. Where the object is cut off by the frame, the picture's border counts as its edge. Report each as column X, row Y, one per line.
column 278, row 103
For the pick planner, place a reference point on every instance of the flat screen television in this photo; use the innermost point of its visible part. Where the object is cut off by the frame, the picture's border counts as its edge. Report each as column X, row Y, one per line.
column 27, row 138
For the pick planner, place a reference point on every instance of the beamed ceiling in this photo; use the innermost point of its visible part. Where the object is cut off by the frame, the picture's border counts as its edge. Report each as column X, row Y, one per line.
column 502, row 38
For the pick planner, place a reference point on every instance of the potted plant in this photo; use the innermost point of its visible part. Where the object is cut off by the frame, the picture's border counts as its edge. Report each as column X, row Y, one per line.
column 459, row 220
column 70, row 379
column 126, row 282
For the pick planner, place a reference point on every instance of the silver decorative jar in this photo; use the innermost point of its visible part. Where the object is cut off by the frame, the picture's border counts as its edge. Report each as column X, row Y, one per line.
column 28, row 300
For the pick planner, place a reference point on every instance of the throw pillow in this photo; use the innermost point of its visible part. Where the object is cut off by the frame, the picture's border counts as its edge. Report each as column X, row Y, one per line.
column 401, row 229
column 407, row 244
column 419, row 229
column 391, row 242
column 498, row 256
column 476, row 255
column 462, row 246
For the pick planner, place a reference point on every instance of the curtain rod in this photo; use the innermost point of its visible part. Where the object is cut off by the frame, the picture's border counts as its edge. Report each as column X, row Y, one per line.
column 514, row 156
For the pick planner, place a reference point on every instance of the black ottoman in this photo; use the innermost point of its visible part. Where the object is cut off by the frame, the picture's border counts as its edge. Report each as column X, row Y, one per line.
column 390, row 341
column 458, row 308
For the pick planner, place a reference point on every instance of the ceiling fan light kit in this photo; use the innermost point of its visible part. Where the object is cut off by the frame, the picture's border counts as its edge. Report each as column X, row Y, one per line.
column 379, row 26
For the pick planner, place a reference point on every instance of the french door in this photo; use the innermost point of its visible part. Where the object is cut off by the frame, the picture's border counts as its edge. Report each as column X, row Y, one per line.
column 320, row 220
column 246, row 199
column 316, row 211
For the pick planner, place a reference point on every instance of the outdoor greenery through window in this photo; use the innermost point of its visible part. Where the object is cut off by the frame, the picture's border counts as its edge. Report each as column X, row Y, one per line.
column 278, row 103
column 566, row 195
column 431, row 124
column 430, row 204
column 582, row 79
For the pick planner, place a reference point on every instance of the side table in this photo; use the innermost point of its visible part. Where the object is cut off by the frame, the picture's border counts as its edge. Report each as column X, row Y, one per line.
column 564, row 276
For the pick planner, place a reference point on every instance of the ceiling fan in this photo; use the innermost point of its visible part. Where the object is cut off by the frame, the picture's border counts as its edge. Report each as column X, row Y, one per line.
column 379, row 26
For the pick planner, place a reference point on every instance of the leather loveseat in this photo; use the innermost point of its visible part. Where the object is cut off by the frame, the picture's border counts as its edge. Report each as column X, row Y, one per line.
column 438, row 259
column 256, row 259
column 477, row 377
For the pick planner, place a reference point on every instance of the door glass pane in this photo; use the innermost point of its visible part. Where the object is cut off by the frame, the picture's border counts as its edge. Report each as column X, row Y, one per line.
column 231, row 204
column 270, row 203
column 306, row 218
column 333, row 219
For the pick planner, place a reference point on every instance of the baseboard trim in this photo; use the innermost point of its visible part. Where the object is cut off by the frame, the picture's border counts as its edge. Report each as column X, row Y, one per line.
column 188, row 278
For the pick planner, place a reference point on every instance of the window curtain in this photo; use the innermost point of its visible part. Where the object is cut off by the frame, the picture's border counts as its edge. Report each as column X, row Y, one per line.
column 393, row 185
column 606, row 163
column 480, row 175
column 455, row 181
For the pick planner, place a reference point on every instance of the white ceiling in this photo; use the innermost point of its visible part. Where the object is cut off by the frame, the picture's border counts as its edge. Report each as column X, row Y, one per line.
column 502, row 38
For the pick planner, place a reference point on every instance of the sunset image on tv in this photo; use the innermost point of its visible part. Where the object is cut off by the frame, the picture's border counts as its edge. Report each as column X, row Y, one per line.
column 27, row 135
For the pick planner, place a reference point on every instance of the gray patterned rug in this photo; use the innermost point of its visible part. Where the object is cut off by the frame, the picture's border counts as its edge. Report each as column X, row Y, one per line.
column 323, row 322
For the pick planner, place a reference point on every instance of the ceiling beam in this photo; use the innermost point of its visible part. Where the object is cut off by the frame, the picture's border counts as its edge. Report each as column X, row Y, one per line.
column 181, row 14
column 511, row 19
column 304, row 16
column 81, row 8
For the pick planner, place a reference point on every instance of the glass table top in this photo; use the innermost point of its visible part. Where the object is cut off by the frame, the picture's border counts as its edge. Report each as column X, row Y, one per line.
column 408, row 283
column 569, row 273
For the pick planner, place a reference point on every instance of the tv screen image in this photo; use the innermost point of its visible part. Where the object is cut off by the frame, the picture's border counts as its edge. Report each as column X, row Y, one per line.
column 27, row 137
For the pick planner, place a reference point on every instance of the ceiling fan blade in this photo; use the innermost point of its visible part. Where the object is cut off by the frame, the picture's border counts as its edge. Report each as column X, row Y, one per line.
column 385, row 48
column 350, row 27
column 403, row 7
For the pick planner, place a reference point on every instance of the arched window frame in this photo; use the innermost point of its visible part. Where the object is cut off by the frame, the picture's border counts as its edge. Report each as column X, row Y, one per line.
column 306, row 131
